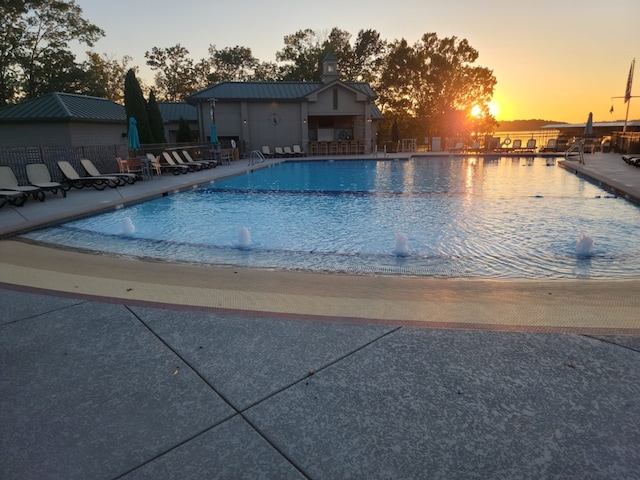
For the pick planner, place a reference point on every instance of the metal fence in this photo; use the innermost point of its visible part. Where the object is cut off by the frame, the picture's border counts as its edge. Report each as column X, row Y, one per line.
column 102, row 156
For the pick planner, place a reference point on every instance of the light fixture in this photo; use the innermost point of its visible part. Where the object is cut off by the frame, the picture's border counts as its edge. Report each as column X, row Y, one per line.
column 304, row 120
column 244, row 121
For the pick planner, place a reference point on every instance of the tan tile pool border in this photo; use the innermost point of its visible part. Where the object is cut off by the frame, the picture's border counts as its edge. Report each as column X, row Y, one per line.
column 580, row 306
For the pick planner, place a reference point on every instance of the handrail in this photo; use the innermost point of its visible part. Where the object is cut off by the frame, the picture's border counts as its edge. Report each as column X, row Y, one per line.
column 256, row 156
column 576, row 147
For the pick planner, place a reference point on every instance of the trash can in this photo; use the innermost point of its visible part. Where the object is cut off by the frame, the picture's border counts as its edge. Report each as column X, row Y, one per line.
column 435, row 144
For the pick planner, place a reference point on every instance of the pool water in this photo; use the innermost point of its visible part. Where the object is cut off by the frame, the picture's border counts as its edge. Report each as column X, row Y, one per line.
column 435, row 216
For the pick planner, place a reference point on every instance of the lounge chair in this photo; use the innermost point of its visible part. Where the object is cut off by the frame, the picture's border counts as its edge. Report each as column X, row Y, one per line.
column 13, row 197
column 8, row 181
column 73, row 179
column 516, row 146
column 551, row 146
column 39, row 176
column 121, row 178
column 207, row 163
column 178, row 161
column 298, row 151
column 288, row 152
column 279, row 152
column 631, row 160
column 530, row 146
column 170, row 165
column 459, row 147
column 266, row 152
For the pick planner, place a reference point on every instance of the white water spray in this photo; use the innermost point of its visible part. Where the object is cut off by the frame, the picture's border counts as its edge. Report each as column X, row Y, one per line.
column 584, row 245
column 127, row 227
column 402, row 246
column 244, row 238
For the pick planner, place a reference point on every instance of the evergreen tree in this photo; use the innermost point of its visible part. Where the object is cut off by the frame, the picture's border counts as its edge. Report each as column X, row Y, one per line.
column 136, row 106
column 155, row 120
column 184, row 132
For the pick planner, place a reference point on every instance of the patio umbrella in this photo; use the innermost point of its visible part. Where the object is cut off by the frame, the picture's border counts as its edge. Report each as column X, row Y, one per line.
column 133, row 140
column 588, row 128
column 214, row 134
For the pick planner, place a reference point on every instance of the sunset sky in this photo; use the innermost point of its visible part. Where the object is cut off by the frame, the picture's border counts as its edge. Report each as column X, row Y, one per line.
column 554, row 60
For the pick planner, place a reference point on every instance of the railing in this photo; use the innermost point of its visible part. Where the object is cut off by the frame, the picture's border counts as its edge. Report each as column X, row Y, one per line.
column 576, row 148
column 256, row 156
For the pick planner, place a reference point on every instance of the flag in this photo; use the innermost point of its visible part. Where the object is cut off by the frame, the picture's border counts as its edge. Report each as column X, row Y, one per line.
column 627, row 93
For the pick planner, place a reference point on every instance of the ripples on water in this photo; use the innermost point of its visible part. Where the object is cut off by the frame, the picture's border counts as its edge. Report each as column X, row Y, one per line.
column 499, row 218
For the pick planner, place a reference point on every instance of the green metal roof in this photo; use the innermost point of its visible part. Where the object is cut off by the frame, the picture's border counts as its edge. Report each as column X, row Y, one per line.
column 64, row 107
column 285, row 91
column 171, row 112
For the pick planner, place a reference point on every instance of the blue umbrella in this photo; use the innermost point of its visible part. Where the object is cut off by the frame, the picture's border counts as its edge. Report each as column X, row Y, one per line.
column 214, row 134
column 133, row 140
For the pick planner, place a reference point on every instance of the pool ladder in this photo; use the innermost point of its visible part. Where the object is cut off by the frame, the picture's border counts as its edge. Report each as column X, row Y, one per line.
column 256, row 156
column 578, row 148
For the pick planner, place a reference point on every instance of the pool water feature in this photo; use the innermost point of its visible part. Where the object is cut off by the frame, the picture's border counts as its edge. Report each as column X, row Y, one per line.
column 435, row 216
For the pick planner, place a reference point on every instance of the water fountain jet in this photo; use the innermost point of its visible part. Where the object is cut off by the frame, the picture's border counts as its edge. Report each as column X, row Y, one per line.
column 127, row 227
column 402, row 247
column 584, row 245
column 244, row 238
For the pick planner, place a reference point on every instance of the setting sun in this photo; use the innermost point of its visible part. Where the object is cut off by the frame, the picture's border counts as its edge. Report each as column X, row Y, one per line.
column 476, row 111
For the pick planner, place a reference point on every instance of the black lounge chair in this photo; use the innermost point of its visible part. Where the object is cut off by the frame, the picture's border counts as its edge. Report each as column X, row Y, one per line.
column 177, row 160
column 39, row 176
column 631, row 160
column 12, row 197
column 121, row 178
column 169, row 166
column 206, row 163
column 170, row 162
column 76, row 181
column 8, row 181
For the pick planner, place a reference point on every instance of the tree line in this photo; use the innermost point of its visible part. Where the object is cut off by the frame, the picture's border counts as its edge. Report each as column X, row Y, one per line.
column 426, row 88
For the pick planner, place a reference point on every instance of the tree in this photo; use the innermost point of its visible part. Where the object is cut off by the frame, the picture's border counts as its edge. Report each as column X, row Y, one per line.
column 184, row 132
column 155, row 120
column 434, row 86
column 303, row 51
column 105, row 76
column 34, row 46
column 176, row 77
column 136, row 106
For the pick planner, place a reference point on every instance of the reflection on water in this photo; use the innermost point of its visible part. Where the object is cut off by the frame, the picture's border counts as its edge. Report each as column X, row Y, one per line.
column 444, row 216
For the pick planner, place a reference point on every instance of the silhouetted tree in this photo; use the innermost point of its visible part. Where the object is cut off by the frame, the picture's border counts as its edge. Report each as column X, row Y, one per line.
column 156, row 122
column 136, row 106
column 184, row 132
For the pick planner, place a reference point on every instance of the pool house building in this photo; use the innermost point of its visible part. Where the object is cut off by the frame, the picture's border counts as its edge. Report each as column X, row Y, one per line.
column 326, row 117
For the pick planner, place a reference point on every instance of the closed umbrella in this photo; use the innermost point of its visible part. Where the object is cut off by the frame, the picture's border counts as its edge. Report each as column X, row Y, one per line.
column 214, row 134
column 133, row 140
column 588, row 128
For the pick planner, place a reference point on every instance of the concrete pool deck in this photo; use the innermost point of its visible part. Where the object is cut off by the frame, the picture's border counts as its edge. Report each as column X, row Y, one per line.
column 122, row 368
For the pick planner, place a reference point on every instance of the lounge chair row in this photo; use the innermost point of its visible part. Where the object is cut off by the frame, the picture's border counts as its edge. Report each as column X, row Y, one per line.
column 294, row 151
column 40, row 181
column 177, row 164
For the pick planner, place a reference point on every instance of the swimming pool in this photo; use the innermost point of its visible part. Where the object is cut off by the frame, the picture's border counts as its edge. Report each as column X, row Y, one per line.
column 434, row 216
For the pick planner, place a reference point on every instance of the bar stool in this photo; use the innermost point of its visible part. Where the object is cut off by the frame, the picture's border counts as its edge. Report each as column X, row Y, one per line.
column 353, row 147
column 333, row 148
column 323, row 148
column 313, row 148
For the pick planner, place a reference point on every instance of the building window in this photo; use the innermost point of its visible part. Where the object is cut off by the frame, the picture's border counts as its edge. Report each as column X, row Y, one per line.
column 335, row 99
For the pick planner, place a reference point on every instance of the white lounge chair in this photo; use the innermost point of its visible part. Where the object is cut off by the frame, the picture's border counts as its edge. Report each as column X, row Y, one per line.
column 73, row 179
column 39, row 176
column 121, row 178
column 8, row 181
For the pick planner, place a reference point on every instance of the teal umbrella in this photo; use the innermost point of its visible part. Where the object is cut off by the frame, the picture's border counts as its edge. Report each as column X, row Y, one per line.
column 214, row 134
column 133, row 140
